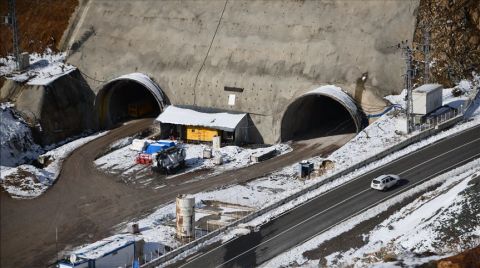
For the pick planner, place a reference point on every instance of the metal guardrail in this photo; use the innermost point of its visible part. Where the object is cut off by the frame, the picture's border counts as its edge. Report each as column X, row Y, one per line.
column 439, row 125
column 440, row 119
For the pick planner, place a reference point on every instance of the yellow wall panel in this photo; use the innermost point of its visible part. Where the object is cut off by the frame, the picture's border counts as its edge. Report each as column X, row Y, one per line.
column 201, row 134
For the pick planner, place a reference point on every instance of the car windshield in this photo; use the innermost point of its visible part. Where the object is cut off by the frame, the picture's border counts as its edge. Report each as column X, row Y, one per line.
column 376, row 182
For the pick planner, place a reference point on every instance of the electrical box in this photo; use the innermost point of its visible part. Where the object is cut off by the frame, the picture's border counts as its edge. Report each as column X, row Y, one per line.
column 427, row 98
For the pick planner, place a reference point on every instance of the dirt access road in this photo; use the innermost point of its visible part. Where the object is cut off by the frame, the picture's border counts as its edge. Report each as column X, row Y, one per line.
column 85, row 204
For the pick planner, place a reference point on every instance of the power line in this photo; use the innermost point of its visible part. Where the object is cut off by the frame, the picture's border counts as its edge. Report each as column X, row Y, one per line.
column 92, row 78
column 426, row 53
column 407, row 52
column 13, row 21
column 206, row 56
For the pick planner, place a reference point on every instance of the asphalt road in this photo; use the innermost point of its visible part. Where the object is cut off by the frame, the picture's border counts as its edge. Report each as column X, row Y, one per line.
column 85, row 204
column 328, row 209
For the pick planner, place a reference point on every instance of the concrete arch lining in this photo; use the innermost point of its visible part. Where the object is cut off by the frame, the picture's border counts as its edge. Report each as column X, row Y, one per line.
column 147, row 82
column 323, row 111
column 341, row 97
column 104, row 95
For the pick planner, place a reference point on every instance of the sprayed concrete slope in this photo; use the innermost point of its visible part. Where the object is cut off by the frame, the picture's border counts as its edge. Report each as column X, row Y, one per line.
column 274, row 50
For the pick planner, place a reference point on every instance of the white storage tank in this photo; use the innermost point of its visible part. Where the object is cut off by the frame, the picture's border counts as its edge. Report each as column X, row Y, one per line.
column 185, row 212
column 427, row 98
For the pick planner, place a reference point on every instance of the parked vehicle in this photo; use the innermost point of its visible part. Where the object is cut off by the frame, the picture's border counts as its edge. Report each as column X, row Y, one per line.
column 169, row 160
column 384, row 182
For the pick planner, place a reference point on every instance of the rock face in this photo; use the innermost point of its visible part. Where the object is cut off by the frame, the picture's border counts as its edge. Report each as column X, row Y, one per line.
column 467, row 259
column 454, row 28
column 58, row 110
column 41, row 24
column 272, row 50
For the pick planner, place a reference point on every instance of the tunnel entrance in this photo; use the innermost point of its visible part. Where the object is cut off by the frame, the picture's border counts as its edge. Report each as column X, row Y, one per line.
column 130, row 100
column 128, row 97
column 315, row 115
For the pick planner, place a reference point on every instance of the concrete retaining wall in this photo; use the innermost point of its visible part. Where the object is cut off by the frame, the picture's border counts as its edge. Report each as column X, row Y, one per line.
column 274, row 50
column 59, row 110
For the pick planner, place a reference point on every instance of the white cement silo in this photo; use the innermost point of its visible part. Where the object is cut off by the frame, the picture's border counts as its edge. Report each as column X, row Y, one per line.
column 185, row 212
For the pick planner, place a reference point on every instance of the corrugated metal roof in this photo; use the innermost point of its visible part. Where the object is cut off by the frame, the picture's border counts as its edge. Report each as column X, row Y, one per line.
column 188, row 117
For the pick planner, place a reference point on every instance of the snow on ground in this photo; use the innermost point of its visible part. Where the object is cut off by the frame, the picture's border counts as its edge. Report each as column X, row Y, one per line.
column 28, row 181
column 408, row 233
column 189, row 117
column 278, row 185
column 122, row 160
column 443, row 222
column 381, row 134
column 17, row 145
column 44, row 68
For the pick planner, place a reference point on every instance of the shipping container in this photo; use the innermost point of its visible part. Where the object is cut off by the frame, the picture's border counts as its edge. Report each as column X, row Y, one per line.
column 201, row 134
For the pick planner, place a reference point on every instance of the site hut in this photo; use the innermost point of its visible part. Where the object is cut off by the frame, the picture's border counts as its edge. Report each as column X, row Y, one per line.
column 426, row 99
column 116, row 251
column 197, row 124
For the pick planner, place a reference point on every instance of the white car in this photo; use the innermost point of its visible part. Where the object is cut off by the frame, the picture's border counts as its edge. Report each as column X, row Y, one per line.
column 385, row 181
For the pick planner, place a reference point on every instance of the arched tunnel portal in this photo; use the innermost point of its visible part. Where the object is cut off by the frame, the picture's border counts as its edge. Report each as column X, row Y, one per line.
column 324, row 111
column 128, row 97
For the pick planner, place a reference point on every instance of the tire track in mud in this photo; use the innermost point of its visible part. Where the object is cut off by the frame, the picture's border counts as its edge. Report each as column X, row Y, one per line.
column 85, row 203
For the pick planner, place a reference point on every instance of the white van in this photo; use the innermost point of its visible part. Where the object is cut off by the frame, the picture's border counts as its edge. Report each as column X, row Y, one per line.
column 385, row 181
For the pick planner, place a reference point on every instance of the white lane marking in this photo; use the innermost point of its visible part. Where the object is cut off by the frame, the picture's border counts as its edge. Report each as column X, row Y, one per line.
column 361, row 176
column 351, row 181
column 284, row 230
column 294, row 226
column 358, row 213
column 440, row 155
column 384, row 199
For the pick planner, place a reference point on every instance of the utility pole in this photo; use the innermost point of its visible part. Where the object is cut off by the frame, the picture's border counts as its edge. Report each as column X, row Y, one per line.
column 13, row 23
column 407, row 52
column 426, row 54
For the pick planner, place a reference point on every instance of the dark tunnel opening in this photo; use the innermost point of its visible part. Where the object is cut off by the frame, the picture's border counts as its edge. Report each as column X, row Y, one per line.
column 315, row 116
column 129, row 100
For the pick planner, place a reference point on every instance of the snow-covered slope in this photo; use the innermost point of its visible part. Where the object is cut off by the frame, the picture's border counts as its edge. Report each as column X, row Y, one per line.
column 17, row 146
column 18, row 151
column 440, row 223
column 28, row 181
column 44, row 68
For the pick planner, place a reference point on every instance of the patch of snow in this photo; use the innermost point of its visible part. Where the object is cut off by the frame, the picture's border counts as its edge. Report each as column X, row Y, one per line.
column 44, row 68
column 397, row 99
column 28, row 181
column 123, row 159
column 459, row 175
column 17, row 146
column 465, row 86
column 104, row 246
column 189, row 117
column 413, row 229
